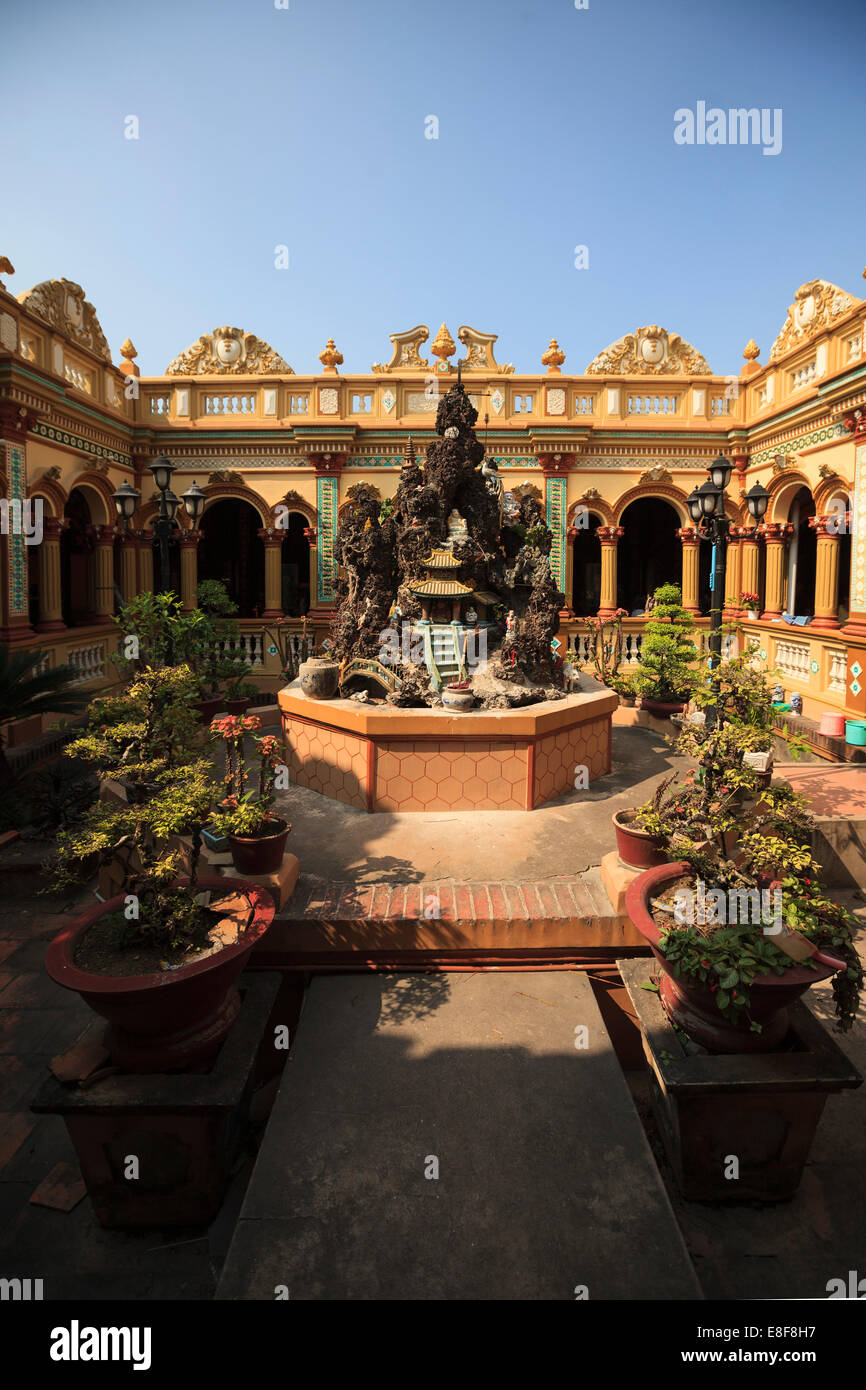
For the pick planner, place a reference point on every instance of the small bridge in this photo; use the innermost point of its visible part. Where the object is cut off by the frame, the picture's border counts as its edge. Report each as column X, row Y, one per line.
column 370, row 669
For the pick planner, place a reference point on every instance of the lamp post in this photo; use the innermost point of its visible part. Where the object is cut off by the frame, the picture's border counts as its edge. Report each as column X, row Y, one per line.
column 162, row 470
column 707, row 509
column 126, row 500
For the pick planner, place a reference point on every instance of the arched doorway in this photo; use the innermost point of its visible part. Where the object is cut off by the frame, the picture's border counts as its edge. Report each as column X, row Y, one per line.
column 802, row 556
column 76, row 560
column 231, row 550
column 586, row 565
column 649, row 553
column 295, row 567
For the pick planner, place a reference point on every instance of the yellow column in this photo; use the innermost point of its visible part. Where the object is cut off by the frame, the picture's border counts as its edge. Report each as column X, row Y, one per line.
column 610, row 537
column 826, row 573
column 775, row 537
column 691, row 556
column 102, row 569
column 128, row 565
column 273, row 542
column 50, row 600
column 145, row 562
column 732, row 575
column 749, row 562
column 189, row 569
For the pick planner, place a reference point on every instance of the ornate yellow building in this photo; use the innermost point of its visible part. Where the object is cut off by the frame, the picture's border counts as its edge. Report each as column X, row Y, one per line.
column 615, row 452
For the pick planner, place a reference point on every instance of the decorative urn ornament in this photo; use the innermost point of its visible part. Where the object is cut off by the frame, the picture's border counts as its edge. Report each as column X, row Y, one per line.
column 319, row 677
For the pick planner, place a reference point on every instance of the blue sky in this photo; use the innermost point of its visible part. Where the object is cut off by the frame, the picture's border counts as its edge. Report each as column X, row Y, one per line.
column 261, row 127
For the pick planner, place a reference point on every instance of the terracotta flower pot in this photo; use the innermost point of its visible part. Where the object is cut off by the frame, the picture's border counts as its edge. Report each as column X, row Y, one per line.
column 261, row 854
column 636, row 848
column 174, row 1018
column 662, row 708
column 319, row 677
column 208, row 708
column 237, row 706
column 690, row 1002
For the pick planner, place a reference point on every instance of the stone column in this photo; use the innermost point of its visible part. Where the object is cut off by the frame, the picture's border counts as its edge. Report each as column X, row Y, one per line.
column 555, row 469
column 128, row 564
column 50, row 599
column 776, row 536
column 732, row 574
column 102, row 570
column 609, row 537
column 14, row 589
column 273, row 543
column 826, row 573
column 188, row 541
column 856, row 624
column 691, row 542
column 749, row 561
column 145, row 562
column 328, row 468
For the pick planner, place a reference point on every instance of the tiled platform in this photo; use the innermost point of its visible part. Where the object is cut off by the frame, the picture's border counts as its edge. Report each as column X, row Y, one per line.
column 378, row 758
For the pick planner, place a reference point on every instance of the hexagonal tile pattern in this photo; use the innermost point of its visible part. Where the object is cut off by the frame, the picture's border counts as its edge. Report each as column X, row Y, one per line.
column 328, row 761
column 559, row 755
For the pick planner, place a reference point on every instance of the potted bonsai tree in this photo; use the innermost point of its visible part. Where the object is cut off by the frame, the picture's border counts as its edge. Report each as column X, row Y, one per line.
column 153, row 959
column 737, row 921
column 256, row 834
column 665, row 677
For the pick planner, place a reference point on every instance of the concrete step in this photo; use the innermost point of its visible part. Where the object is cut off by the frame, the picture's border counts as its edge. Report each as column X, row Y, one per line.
column 336, row 923
column 546, row 1186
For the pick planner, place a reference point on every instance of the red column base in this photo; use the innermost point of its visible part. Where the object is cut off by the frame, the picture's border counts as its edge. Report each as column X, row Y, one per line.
column 51, row 625
column 770, row 614
column 824, row 624
column 606, row 613
column 855, row 627
column 274, row 614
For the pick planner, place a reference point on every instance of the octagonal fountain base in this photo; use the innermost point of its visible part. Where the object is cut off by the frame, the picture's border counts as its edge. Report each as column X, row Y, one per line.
column 380, row 758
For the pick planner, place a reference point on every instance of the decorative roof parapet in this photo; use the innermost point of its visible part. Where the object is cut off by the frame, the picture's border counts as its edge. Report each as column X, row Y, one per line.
column 406, row 350
column 229, row 351
column 407, row 355
column 816, row 305
column 650, row 351
column 61, row 304
column 479, row 351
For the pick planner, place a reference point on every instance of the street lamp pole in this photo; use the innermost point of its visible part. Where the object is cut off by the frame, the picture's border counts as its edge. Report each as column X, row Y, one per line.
column 707, row 506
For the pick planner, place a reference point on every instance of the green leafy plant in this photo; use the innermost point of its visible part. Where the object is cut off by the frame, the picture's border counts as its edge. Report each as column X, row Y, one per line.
column 737, row 835
column 148, row 739
column 605, row 644
column 668, row 652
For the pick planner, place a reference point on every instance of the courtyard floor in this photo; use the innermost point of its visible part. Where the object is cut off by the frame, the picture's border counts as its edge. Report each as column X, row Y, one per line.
column 47, row 1229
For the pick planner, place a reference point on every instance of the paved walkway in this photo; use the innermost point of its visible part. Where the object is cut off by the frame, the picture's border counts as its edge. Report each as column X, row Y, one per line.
column 444, row 1138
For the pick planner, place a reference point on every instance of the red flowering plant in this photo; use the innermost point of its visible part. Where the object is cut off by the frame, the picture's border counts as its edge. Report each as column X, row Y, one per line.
column 247, row 812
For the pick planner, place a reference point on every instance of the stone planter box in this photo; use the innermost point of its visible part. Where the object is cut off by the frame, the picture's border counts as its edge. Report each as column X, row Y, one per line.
column 762, row 1108
column 184, row 1127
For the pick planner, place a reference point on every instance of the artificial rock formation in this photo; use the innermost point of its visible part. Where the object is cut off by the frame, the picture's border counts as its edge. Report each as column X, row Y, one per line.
column 394, row 573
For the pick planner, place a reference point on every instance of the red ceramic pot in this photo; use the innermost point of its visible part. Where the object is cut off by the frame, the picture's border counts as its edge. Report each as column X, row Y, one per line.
column 172, row 1019
column 663, row 709
column 260, row 855
column 636, row 848
column 208, row 708
column 690, row 1003
column 238, row 706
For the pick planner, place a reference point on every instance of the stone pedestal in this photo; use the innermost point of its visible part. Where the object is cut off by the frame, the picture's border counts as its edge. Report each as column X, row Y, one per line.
column 280, row 884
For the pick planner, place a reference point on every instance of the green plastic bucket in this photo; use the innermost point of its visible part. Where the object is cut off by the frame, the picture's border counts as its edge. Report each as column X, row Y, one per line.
column 855, row 730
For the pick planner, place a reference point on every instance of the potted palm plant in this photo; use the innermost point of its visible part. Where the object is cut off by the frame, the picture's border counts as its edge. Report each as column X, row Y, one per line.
column 153, row 959
column 25, row 690
column 665, row 677
column 256, row 834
